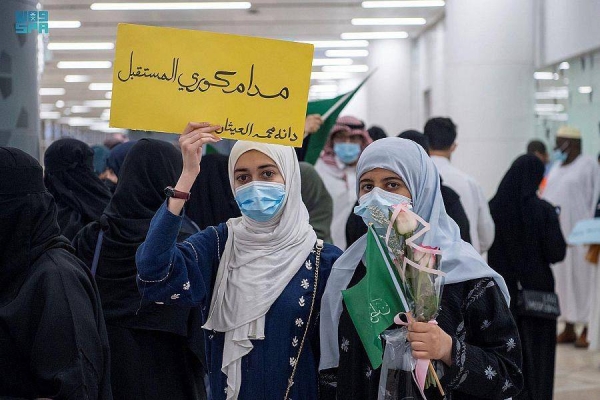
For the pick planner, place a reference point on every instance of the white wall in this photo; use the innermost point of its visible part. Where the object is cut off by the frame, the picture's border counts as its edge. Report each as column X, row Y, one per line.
column 428, row 74
column 389, row 89
column 570, row 28
column 490, row 91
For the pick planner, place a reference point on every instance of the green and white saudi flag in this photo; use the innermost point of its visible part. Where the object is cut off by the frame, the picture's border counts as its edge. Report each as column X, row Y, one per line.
column 329, row 110
column 376, row 299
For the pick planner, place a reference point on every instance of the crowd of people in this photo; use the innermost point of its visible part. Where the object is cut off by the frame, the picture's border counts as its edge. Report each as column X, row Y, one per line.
column 154, row 270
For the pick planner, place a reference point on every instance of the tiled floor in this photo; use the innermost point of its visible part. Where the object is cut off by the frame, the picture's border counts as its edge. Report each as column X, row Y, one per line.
column 577, row 374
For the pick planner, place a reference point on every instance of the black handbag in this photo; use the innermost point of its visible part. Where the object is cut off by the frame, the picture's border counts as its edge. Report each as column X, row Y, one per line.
column 538, row 304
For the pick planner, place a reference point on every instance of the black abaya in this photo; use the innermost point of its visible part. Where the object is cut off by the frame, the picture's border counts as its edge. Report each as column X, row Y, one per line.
column 212, row 201
column 170, row 337
column 69, row 176
column 528, row 239
column 53, row 340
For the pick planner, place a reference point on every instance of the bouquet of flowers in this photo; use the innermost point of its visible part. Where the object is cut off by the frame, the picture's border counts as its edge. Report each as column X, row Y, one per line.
column 422, row 280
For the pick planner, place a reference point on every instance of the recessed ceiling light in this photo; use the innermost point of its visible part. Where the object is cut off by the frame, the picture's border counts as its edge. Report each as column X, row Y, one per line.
column 541, row 75
column 63, row 24
column 100, row 86
column 208, row 5
column 549, row 107
column 77, row 78
column 97, row 103
column 584, row 89
column 52, row 91
column 346, row 53
column 323, row 88
column 374, row 35
column 329, row 75
column 79, row 121
column 59, row 104
column 317, row 62
column 83, row 64
column 388, row 21
column 338, row 43
column 80, row 109
column 81, row 46
column 49, row 115
column 345, row 68
column 402, row 4
column 564, row 65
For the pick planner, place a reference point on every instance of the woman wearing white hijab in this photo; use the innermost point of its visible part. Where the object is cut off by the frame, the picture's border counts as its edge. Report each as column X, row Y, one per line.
column 258, row 278
column 476, row 344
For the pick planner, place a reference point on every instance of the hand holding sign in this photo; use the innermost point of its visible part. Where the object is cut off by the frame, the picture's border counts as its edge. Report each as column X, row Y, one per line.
column 255, row 89
column 193, row 138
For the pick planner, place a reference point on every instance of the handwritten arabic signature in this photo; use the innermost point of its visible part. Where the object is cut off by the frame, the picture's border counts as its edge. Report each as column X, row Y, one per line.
column 221, row 79
column 378, row 307
column 248, row 130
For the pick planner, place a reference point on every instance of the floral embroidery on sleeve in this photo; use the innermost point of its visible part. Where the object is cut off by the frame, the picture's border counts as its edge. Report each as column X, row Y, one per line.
column 490, row 373
column 510, row 345
column 507, row 385
column 345, row 345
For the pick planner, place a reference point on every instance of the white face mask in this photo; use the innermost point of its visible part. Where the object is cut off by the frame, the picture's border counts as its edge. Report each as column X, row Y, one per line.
column 380, row 199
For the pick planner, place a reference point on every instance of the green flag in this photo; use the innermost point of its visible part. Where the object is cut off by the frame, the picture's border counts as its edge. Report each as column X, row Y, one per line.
column 329, row 109
column 376, row 299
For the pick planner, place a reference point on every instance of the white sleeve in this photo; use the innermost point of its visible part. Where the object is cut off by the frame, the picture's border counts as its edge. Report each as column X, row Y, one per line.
column 485, row 223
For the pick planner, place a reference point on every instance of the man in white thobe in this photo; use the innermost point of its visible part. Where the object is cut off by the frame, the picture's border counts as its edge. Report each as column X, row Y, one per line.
column 441, row 133
column 574, row 185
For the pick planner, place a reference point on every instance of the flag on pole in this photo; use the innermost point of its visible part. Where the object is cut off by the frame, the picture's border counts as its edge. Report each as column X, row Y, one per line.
column 376, row 299
column 329, row 110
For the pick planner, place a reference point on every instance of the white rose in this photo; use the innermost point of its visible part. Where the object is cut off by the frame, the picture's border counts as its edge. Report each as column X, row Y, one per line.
column 405, row 223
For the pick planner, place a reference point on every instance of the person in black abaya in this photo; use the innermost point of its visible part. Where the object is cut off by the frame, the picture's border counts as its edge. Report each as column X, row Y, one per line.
column 53, row 339
column 114, row 161
column 69, row 176
column 211, row 200
column 528, row 239
column 158, row 350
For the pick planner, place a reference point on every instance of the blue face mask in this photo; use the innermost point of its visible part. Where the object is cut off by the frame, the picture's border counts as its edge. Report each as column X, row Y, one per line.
column 347, row 152
column 558, row 156
column 260, row 201
column 380, row 199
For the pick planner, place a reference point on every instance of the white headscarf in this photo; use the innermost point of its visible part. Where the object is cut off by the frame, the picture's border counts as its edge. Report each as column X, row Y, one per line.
column 259, row 260
column 460, row 261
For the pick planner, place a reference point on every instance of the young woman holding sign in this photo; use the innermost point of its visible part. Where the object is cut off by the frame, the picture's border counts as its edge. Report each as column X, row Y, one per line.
column 258, row 279
column 475, row 344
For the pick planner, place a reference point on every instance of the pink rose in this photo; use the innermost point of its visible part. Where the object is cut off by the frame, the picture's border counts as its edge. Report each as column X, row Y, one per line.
column 424, row 259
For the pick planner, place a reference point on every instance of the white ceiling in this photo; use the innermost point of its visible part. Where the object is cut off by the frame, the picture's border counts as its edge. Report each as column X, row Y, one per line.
column 281, row 19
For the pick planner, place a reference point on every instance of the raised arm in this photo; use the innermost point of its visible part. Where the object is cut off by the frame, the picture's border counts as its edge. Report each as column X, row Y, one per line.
column 180, row 273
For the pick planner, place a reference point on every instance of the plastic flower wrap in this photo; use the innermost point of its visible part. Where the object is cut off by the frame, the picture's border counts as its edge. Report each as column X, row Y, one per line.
column 422, row 282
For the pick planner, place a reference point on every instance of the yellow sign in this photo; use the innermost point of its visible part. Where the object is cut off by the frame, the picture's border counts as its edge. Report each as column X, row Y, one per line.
column 254, row 88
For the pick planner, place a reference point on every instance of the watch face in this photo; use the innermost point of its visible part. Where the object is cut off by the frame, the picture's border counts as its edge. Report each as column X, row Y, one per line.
column 169, row 191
